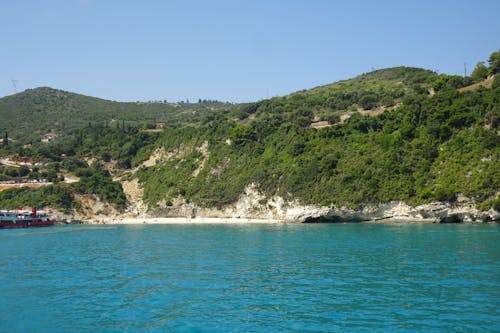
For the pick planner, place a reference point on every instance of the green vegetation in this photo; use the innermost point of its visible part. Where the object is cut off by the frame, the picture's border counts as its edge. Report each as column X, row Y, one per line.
column 59, row 196
column 24, row 173
column 494, row 61
column 407, row 154
column 376, row 89
column 428, row 149
column 388, row 136
column 28, row 115
column 95, row 180
column 480, row 73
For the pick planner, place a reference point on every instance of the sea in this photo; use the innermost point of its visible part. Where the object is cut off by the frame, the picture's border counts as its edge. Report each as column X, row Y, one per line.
column 353, row 277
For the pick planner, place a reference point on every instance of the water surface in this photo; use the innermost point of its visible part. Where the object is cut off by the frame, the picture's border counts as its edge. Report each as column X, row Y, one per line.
column 251, row 278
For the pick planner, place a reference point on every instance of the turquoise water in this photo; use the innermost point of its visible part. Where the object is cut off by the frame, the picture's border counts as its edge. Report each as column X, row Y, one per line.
column 265, row 278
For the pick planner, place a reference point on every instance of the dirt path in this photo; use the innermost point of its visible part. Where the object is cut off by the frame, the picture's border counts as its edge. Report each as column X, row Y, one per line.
column 19, row 185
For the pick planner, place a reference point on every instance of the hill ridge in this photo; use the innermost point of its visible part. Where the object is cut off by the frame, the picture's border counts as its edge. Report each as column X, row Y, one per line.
column 428, row 148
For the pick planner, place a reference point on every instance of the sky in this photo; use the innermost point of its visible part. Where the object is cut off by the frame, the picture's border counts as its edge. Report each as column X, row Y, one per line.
column 232, row 50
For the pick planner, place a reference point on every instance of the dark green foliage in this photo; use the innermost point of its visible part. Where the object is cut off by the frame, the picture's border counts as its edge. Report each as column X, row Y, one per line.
column 111, row 144
column 73, row 163
column 31, row 114
column 46, row 196
column 23, row 171
column 95, row 180
column 380, row 88
column 368, row 101
column 242, row 134
column 422, row 149
column 480, row 73
column 427, row 149
column 494, row 61
column 496, row 82
column 449, row 82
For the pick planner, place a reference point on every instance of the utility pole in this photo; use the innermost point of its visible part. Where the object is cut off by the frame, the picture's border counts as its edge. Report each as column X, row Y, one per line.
column 14, row 84
column 465, row 69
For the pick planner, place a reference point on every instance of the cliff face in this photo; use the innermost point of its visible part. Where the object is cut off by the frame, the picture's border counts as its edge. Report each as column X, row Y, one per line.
column 398, row 211
column 254, row 205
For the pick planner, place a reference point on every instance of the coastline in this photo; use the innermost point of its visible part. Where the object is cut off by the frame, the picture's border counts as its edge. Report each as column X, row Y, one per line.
column 252, row 213
column 256, row 221
column 181, row 220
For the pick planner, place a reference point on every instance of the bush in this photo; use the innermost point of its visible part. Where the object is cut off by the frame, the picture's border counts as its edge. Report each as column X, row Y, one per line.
column 496, row 82
column 494, row 61
column 445, row 194
column 368, row 102
column 23, row 171
column 332, row 118
column 491, row 204
column 447, row 82
column 56, row 196
column 96, row 180
column 73, row 163
column 480, row 73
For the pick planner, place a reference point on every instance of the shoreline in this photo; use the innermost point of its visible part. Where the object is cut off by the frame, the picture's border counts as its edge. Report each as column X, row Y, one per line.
column 182, row 220
column 250, row 213
column 261, row 221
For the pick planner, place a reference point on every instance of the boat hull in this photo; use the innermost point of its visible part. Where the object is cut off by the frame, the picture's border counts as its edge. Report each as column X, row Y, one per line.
column 25, row 224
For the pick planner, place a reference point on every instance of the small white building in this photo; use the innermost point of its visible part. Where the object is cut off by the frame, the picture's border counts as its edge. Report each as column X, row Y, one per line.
column 49, row 137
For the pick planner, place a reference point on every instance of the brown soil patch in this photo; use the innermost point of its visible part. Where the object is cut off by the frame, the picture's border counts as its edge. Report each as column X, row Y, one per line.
column 320, row 124
column 156, row 130
column 486, row 84
column 372, row 112
column 32, row 185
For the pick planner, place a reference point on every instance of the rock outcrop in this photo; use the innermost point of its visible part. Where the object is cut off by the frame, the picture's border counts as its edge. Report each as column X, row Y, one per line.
column 436, row 212
column 255, row 205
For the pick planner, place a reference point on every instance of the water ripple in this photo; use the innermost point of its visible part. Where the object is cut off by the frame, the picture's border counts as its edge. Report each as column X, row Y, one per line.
column 290, row 278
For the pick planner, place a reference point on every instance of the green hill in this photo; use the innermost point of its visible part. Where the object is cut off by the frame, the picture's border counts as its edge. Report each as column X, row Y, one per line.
column 427, row 148
column 379, row 89
column 28, row 115
column 397, row 134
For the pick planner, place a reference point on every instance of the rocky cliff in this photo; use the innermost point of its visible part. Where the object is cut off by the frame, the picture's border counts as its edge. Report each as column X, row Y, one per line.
column 254, row 205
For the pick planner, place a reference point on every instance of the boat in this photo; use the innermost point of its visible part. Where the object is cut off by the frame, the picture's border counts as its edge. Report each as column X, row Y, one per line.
column 24, row 219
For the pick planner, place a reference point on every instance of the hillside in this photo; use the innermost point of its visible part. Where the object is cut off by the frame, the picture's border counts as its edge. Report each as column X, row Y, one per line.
column 425, row 149
column 381, row 89
column 28, row 115
column 394, row 135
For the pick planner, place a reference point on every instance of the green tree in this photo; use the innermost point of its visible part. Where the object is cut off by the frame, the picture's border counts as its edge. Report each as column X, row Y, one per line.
column 496, row 82
column 23, row 171
column 494, row 61
column 480, row 72
column 242, row 134
column 448, row 82
column 12, row 172
column 368, row 102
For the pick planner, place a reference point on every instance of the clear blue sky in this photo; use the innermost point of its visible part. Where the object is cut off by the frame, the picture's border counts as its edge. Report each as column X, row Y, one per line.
column 232, row 50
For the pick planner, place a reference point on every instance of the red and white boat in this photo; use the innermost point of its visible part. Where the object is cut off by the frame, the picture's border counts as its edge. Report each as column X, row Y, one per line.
column 24, row 219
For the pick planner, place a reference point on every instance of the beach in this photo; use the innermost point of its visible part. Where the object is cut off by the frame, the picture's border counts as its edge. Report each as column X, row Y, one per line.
column 181, row 220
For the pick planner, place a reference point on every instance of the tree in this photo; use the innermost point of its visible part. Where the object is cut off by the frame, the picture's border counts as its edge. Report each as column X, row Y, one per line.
column 496, row 82
column 480, row 73
column 448, row 82
column 242, row 134
column 23, row 171
column 494, row 61
column 368, row 102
